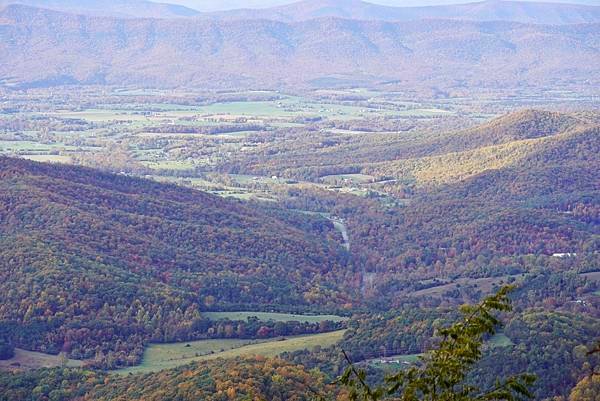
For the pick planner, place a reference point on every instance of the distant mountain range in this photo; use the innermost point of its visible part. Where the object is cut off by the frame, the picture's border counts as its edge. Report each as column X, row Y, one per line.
column 493, row 10
column 221, row 5
column 116, row 8
column 42, row 47
column 489, row 10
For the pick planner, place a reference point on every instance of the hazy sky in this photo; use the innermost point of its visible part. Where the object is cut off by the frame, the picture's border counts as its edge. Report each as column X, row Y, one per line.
column 213, row 5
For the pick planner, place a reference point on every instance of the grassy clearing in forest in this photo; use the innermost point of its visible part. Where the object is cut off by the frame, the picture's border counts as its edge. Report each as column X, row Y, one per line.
column 36, row 360
column 48, row 158
column 484, row 284
column 276, row 317
column 165, row 356
column 401, row 361
column 353, row 178
column 499, row 340
column 394, row 362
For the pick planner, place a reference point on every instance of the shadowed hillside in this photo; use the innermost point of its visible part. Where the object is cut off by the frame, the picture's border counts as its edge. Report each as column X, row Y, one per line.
column 96, row 260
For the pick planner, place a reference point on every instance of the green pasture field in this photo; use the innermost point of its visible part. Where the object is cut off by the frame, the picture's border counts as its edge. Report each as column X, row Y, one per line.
column 423, row 112
column 499, row 340
column 188, row 182
column 485, row 284
column 165, row 356
column 246, row 196
column 100, row 115
column 36, row 360
column 410, row 358
column 209, row 186
column 592, row 276
column 394, row 362
column 253, row 108
column 48, row 158
column 30, row 146
column 291, row 106
column 354, row 178
column 272, row 316
column 169, row 165
column 170, row 135
column 244, row 179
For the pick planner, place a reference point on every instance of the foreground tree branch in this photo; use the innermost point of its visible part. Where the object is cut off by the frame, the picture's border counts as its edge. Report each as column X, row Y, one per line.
column 442, row 374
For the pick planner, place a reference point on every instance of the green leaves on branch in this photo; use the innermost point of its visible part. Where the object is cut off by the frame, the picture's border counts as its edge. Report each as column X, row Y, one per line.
column 441, row 375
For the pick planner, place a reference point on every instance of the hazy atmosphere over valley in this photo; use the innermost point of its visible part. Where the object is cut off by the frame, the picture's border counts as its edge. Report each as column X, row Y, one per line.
column 273, row 200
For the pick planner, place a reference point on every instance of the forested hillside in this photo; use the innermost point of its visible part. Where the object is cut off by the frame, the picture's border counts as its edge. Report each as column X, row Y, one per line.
column 554, row 325
column 404, row 157
column 236, row 379
column 551, row 341
column 325, row 200
column 529, row 139
column 96, row 264
column 472, row 207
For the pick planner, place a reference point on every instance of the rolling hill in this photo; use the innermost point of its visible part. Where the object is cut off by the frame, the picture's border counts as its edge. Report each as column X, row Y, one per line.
column 119, row 8
column 503, row 142
column 491, row 10
column 96, row 264
column 476, row 202
column 419, row 158
column 486, row 204
column 44, row 48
